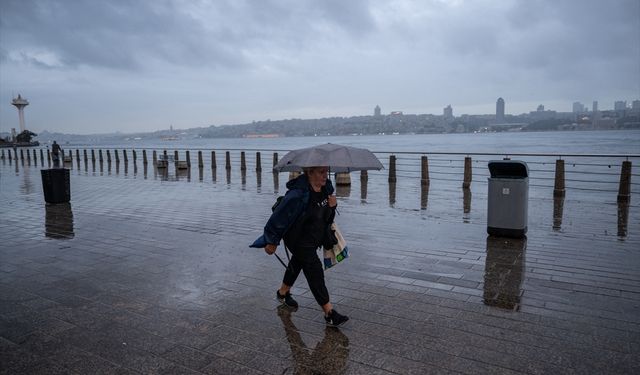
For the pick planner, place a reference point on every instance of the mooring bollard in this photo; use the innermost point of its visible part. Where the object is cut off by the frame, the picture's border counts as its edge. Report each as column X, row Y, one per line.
column 188, row 157
column 558, row 187
column 624, row 192
column 228, row 161
column 243, row 161
column 214, row 165
column 424, row 179
column 392, row 169
column 258, row 162
column 466, row 182
column 343, row 179
column 200, row 162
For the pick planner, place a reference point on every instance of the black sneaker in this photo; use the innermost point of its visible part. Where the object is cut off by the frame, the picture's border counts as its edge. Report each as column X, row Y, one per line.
column 334, row 319
column 287, row 300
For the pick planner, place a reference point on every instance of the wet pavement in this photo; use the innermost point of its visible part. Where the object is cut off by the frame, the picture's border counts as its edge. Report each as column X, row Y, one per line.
column 153, row 274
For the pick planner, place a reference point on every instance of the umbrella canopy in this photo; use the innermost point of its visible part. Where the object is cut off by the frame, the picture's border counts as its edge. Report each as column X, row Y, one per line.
column 337, row 157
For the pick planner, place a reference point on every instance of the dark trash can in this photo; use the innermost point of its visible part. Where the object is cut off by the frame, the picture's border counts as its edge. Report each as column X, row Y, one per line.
column 508, row 198
column 56, row 185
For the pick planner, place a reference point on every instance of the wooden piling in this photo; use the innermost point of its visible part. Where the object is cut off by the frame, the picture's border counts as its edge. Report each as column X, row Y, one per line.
column 70, row 156
column 144, row 157
column 392, row 169
column 108, row 156
column 466, row 182
column 175, row 156
column 93, row 156
column 100, row 156
column 35, row 157
column 10, row 154
column 124, row 156
column 154, row 158
column 343, row 179
column 200, row 161
column 2, row 154
column 624, row 191
column 258, row 162
column 117, row 156
column 243, row 161
column 275, row 158
column 228, row 161
column 424, row 179
column 41, row 157
column 21, row 155
column 558, row 187
column 86, row 157
column 214, row 165
column 77, row 155
column 135, row 156
column 188, row 157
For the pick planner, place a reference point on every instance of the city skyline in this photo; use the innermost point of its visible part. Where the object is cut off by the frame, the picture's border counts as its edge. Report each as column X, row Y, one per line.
column 148, row 65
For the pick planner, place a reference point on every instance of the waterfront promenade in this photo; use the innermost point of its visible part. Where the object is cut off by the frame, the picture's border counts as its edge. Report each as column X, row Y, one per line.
column 154, row 275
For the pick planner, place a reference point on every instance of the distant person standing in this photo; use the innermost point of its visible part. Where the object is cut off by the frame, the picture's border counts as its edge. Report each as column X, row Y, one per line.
column 56, row 151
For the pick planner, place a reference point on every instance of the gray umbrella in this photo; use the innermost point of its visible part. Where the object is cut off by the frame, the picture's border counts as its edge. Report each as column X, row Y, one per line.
column 338, row 158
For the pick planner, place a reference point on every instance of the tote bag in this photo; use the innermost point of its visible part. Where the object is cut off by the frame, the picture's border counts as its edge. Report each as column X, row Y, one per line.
column 338, row 252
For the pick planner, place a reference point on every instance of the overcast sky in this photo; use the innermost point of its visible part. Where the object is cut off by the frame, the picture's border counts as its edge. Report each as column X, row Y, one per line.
column 104, row 66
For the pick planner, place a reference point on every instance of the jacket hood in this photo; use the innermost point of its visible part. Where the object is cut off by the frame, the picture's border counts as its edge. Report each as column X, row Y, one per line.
column 302, row 182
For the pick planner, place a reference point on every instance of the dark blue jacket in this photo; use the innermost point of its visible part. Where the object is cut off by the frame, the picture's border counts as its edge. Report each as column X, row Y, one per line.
column 293, row 204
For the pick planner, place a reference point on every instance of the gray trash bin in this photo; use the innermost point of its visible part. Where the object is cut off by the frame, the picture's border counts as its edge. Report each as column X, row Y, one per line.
column 508, row 198
column 56, row 185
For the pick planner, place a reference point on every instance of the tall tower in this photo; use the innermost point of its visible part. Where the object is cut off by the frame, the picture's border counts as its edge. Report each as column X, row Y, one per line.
column 377, row 111
column 20, row 103
column 500, row 110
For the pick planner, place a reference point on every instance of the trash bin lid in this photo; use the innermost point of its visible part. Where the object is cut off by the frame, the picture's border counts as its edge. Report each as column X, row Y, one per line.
column 508, row 169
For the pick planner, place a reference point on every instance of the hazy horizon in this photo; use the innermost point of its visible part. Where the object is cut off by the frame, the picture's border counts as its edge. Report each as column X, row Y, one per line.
column 103, row 67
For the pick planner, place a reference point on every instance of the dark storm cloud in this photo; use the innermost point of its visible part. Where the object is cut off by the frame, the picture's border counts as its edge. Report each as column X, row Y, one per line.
column 124, row 34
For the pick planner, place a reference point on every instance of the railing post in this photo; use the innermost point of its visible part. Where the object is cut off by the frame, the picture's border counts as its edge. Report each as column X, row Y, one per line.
column 468, row 174
column 228, row 161
column 424, row 180
column 258, row 162
column 243, row 161
column 624, row 192
column 558, row 187
column 392, row 169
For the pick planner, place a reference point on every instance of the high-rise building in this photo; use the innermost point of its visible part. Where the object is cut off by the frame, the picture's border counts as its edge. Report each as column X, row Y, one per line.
column 376, row 111
column 635, row 106
column 540, row 108
column 500, row 110
column 448, row 112
column 578, row 107
column 595, row 106
column 620, row 105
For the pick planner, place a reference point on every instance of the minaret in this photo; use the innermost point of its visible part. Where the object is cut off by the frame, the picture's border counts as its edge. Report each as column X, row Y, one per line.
column 20, row 103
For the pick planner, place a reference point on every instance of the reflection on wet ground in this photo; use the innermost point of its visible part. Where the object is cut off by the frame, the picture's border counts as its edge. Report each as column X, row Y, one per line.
column 329, row 356
column 58, row 221
column 504, row 271
column 153, row 275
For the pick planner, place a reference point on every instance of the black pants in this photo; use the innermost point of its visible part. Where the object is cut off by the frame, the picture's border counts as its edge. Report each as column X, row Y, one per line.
column 306, row 260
